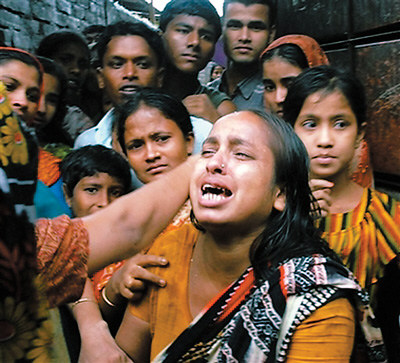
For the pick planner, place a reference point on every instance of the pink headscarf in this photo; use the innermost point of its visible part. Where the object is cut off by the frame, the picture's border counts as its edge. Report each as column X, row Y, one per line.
column 313, row 52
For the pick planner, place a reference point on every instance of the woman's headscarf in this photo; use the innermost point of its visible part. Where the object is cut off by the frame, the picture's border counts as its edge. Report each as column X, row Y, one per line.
column 312, row 50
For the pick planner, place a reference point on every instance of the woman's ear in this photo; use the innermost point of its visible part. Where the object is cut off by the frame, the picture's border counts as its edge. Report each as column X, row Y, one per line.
column 280, row 200
column 189, row 143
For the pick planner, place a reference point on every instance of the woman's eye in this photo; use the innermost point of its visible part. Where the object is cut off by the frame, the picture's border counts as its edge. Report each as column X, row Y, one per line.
column 10, row 87
column 136, row 145
column 207, row 152
column 309, row 124
column 340, row 124
column 242, row 155
column 33, row 96
column 269, row 87
column 162, row 139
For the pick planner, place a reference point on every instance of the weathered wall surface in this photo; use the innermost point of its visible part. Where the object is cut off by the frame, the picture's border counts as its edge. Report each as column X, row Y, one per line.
column 363, row 35
column 24, row 22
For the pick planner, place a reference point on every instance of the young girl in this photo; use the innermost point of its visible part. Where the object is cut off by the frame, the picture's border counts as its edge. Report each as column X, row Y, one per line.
column 282, row 61
column 327, row 109
column 251, row 201
column 22, row 75
column 52, row 107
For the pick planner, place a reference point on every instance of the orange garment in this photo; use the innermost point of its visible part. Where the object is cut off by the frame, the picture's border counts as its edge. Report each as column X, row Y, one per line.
column 366, row 238
column 326, row 336
column 167, row 309
column 62, row 249
column 101, row 278
column 48, row 168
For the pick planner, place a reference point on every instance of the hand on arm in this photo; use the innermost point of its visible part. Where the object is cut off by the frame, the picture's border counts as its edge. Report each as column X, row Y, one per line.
column 128, row 283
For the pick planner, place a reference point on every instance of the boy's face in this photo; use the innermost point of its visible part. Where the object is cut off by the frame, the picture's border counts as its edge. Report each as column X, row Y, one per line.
column 129, row 63
column 93, row 193
column 246, row 32
column 74, row 59
column 190, row 42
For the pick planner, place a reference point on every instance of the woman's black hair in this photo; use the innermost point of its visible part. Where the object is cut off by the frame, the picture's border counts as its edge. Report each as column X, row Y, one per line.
column 53, row 132
column 325, row 79
column 90, row 160
column 169, row 106
column 291, row 53
column 290, row 233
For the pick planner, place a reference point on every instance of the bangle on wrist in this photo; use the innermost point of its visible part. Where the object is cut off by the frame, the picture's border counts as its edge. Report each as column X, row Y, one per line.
column 84, row 299
column 105, row 298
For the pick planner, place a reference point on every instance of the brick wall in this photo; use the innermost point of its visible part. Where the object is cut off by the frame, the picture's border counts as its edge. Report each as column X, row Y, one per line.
column 23, row 23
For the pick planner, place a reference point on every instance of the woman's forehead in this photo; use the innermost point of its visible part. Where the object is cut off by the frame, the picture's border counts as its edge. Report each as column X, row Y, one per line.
column 243, row 124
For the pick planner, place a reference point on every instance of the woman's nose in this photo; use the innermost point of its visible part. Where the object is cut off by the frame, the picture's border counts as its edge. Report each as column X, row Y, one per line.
column 216, row 164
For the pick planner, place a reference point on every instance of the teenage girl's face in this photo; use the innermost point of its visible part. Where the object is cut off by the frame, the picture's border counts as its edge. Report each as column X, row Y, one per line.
column 232, row 186
column 49, row 101
column 154, row 143
column 93, row 193
column 277, row 77
column 328, row 128
column 22, row 84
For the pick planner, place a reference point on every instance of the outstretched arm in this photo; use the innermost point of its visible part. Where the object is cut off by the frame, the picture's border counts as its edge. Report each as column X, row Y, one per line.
column 127, row 225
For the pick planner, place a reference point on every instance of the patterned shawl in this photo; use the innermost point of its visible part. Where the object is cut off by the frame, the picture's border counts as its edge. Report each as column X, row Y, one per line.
column 246, row 322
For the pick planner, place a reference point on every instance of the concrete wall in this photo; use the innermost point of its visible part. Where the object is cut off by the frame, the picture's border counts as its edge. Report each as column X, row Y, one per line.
column 23, row 23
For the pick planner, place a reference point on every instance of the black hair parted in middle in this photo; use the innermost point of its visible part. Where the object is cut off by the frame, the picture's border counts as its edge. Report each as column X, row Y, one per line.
column 290, row 233
column 90, row 160
column 168, row 105
column 325, row 79
column 201, row 8
column 290, row 53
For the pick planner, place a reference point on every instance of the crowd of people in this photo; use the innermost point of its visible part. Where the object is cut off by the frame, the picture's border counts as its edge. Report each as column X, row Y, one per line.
column 145, row 216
